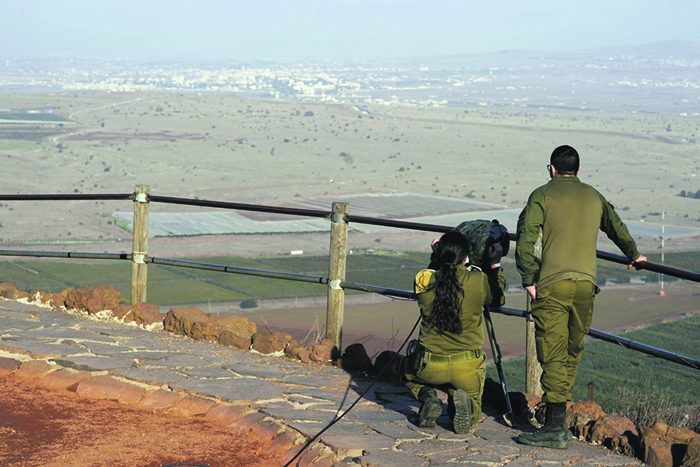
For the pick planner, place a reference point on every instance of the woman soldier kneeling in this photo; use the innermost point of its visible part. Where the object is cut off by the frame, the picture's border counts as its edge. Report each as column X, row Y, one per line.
column 449, row 356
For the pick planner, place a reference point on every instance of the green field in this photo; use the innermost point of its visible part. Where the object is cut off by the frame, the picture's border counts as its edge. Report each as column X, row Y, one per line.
column 170, row 285
column 611, row 366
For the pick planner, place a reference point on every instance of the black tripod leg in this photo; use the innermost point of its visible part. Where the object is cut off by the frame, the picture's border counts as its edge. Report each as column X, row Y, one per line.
column 496, row 351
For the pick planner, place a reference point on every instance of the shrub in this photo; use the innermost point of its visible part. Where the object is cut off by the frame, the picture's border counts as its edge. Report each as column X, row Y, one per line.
column 249, row 303
column 643, row 402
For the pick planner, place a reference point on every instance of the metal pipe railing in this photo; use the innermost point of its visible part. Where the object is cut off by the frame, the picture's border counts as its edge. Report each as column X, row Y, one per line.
column 68, row 197
column 403, row 294
column 662, row 269
column 65, row 254
column 653, row 267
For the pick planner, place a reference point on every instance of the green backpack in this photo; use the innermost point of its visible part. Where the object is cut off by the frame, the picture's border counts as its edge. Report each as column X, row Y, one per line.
column 482, row 235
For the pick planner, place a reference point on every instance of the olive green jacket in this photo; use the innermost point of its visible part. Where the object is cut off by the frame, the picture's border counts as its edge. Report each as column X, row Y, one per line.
column 570, row 214
column 479, row 291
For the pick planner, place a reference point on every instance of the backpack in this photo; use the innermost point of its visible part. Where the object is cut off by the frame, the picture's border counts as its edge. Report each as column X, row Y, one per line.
column 482, row 235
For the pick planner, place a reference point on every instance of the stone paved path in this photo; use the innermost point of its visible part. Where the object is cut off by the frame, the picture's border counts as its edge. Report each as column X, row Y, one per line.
column 379, row 431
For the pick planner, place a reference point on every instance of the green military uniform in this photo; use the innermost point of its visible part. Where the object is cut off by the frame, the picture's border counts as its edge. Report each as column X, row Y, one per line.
column 452, row 361
column 570, row 213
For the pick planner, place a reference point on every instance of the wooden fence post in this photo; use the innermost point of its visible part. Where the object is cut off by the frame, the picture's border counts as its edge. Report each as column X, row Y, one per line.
column 139, row 271
column 533, row 370
column 532, row 366
column 336, row 273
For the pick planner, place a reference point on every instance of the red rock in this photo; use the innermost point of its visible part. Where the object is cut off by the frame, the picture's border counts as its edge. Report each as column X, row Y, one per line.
column 616, row 433
column 106, row 387
column 662, row 445
column 289, row 455
column 231, row 340
column 62, row 379
column 58, row 300
column 327, row 461
column 682, row 435
column 322, row 352
column 292, row 350
column 581, row 416
column 283, row 441
column 34, row 369
column 238, row 325
column 54, row 300
column 189, row 406
column 265, row 430
column 158, row 400
column 93, row 299
column 144, row 314
column 8, row 365
column 224, row 415
column 309, row 456
column 268, row 342
column 120, row 311
column 692, row 455
column 190, row 321
column 249, row 420
column 10, row 291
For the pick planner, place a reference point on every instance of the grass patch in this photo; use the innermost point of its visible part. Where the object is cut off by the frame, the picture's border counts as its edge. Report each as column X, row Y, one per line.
column 612, row 367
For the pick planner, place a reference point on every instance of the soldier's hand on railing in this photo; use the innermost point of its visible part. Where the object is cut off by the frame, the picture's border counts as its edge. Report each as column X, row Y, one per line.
column 636, row 262
column 532, row 290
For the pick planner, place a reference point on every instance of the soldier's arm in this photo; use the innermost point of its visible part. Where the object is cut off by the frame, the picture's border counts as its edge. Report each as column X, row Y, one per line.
column 529, row 223
column 617, row 231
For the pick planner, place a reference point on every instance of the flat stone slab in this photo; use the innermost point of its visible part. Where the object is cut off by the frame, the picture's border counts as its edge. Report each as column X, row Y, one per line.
column 97, row 348
column 498, row 436
column 324, row 394
column 238, row 389
column 69, row 333
column 150, row 375
column 209, row 372
column 19, row 324
column 341, row 429
column 182, row 361
column 433, row 446
column 373, row 414
column 94, row 363
column 260, row 371
column 38, row 349
column 398, row 430
column 317, row 381
column 287, row 412
column 391, row 459
column 521, row 462
column 147, row 355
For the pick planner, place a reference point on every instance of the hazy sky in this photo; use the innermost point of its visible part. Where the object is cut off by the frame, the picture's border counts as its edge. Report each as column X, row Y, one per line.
column 281, row 29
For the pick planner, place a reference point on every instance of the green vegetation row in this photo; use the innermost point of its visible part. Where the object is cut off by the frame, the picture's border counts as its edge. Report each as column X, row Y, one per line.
column 613, row 368
column 169, row 285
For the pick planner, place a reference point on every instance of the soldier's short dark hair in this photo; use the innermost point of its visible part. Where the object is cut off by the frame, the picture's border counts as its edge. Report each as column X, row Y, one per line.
column 565, row 159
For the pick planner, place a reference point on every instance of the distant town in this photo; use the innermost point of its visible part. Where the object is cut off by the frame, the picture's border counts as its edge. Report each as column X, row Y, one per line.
column 642, row 81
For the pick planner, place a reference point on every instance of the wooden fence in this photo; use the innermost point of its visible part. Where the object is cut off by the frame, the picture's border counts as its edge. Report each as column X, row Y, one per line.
column 339, row 217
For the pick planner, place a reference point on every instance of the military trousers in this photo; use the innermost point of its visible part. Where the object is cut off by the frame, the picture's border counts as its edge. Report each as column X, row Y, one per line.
column 562, row 313
column 464, row 370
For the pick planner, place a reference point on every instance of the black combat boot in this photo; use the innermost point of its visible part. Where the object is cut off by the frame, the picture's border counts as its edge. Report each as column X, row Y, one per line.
column 554, row 434
column 431, row 409
column 462, row 420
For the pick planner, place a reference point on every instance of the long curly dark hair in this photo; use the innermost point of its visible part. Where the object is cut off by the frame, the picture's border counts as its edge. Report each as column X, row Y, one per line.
column 447, row 306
